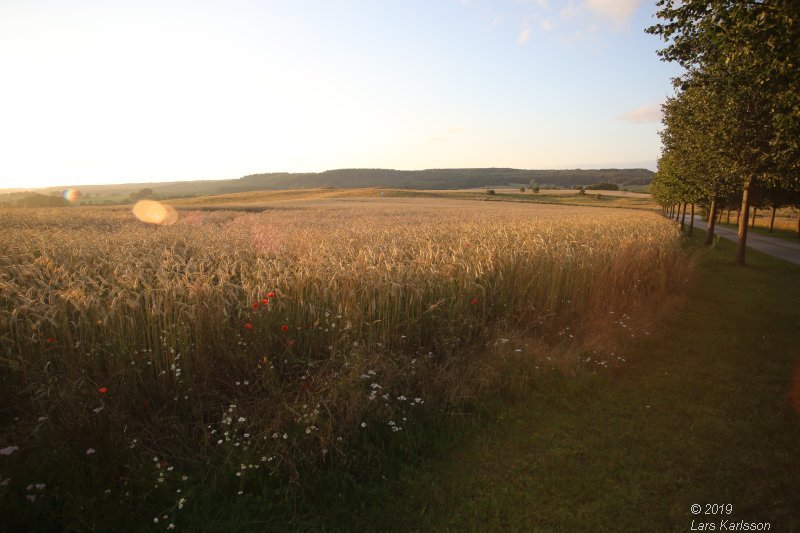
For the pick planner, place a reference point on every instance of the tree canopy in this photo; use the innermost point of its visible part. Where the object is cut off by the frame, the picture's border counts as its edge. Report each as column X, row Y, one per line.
column 734, row 123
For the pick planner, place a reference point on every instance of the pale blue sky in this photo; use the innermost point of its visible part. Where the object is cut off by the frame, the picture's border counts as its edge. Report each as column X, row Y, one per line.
column 105, row 91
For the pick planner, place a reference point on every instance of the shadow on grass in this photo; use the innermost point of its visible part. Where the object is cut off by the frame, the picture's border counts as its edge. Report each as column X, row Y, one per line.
column 698, row 413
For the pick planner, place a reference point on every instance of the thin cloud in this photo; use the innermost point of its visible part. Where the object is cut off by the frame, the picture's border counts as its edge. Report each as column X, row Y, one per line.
column 570, row 12
column 619, row 12
column 572, row 20
column 644, row 114
column 524, row 35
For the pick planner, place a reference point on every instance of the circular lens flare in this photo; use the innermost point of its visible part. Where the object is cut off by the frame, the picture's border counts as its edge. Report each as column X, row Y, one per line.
column 154, row 212
column 71, row 194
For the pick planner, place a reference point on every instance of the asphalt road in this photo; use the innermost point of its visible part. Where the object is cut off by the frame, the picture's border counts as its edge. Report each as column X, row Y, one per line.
column 774, row 246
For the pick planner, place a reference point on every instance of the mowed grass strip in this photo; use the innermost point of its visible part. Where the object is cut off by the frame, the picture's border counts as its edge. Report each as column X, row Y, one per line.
column 701, row 413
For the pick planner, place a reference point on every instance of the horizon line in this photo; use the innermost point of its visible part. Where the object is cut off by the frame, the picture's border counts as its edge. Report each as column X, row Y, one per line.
column 151, row 181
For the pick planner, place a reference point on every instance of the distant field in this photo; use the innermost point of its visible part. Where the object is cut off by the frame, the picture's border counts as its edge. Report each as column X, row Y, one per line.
column 150, row 368
column 638, row 188
column 547, row 196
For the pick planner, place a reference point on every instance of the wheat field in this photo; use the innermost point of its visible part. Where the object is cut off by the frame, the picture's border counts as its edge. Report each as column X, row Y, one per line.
column 263, row 342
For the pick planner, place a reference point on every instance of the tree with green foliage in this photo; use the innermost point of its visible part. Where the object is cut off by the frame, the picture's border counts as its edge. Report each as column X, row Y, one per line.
column 699, row 155
column 667, row 187
column 746, row 53
column 41, row 200
column 142, row 194
column 602, row 186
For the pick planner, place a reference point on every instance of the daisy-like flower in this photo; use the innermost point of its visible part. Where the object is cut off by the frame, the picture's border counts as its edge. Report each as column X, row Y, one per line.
column 8, row 450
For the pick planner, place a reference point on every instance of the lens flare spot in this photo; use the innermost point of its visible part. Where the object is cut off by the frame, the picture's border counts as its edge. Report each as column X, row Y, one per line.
column 154, row 212
column 71, row 195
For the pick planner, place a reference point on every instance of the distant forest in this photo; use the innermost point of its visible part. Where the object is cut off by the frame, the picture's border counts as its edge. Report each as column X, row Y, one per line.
column 455, row 178
column 452, row 178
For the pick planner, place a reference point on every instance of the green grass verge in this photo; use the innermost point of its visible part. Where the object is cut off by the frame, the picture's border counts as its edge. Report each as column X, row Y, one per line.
column 700, row 413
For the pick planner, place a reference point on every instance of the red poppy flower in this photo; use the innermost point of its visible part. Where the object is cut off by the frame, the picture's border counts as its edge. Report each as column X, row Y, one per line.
column 248, row 325
column 51, row 340
column 270, row 295
column 474, row 301
column 255, row 305
column 102, row 390
column 265, row 301
column 284, row 328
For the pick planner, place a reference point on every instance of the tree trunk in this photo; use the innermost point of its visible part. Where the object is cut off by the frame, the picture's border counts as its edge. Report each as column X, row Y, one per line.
column 755, row 209
column 738, row 215
column 798, row 224
column 711, row 219
column 772, row 220
column 728, row 218
column 691, row 222
column 683, row 218
column 741, row 242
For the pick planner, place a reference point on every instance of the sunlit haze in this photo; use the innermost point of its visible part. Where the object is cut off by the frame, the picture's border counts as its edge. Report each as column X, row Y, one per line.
column 110, row 92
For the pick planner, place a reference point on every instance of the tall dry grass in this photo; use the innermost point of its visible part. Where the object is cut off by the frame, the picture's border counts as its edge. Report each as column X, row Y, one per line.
column 266, row 341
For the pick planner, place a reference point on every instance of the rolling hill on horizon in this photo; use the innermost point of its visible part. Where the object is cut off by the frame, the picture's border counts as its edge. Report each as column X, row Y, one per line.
column 361, row 178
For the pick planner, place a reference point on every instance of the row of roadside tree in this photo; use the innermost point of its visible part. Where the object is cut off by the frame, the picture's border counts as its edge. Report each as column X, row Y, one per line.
column 731, row 135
